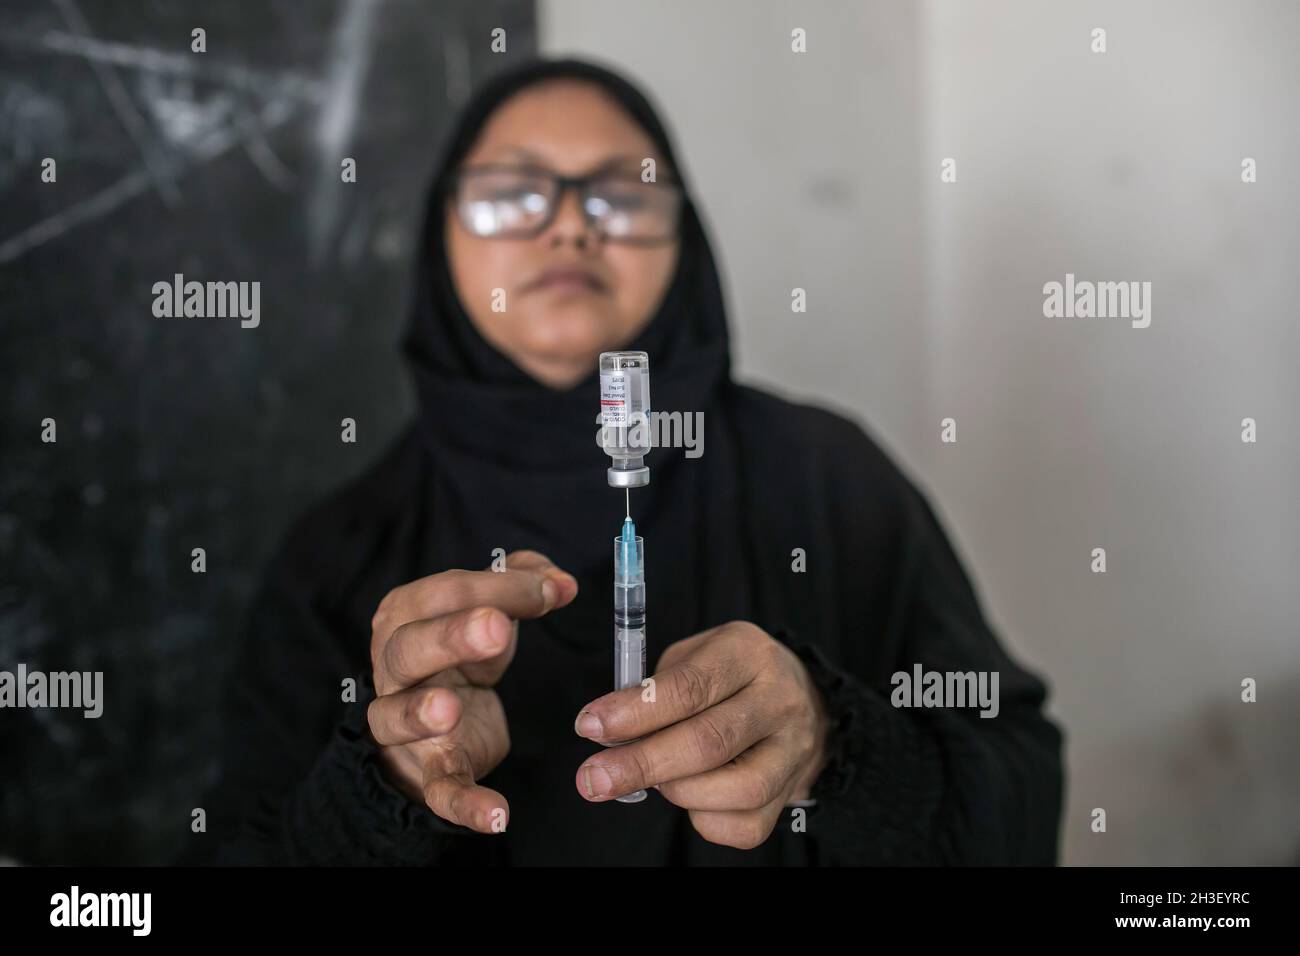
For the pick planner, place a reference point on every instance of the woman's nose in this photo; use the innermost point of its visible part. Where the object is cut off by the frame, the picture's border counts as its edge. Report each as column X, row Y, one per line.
column 570, row 221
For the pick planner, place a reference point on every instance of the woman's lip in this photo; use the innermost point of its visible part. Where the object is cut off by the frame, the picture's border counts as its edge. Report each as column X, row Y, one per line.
column 568, row 280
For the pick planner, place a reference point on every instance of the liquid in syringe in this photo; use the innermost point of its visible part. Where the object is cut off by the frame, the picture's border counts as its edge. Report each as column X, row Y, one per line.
column 629, row 617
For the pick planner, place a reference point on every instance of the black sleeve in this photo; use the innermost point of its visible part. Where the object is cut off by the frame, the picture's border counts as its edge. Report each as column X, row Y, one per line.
column 299, row 779
column 935, row 785
column 344, row 812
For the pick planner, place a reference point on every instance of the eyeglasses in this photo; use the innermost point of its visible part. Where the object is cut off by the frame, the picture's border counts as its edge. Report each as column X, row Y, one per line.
column 519, row 202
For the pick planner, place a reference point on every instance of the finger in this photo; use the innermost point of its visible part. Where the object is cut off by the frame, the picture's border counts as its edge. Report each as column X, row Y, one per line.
column 742, row 829
column 682, row 649
column 419, row 649
column 520, row 592
column 525, row 559
column 538, row 563
column 716, row 670
column 413, row 714
column 486, row 672
column 702, row 743
column 451, row 793
column 763, row 774
column 528, row 589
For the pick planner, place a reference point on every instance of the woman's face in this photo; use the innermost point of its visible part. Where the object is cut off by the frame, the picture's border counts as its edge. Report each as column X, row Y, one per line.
column 555, row 332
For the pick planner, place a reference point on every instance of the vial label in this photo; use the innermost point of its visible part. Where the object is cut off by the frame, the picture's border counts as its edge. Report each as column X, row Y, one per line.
column 624, row 397
column 614, row 409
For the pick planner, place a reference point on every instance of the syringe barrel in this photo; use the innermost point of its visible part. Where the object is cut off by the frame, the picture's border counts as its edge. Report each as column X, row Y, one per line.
column 629, row 612
column 629, row 618
column 629, row 657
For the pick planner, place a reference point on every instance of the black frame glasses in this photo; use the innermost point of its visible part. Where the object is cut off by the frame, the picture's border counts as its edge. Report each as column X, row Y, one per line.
column 558, row 185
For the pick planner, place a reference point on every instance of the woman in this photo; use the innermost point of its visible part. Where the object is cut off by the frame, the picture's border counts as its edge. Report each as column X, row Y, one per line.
column 484, row 729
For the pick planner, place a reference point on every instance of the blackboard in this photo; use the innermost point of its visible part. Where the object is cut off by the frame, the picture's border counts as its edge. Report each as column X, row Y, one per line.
column 174, row 434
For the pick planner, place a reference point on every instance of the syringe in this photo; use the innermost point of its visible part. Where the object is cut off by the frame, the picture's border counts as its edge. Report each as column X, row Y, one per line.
column 629, row 616
column 625, row 436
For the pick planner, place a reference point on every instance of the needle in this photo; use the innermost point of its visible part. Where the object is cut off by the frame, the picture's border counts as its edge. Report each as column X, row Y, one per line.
column 627, row 502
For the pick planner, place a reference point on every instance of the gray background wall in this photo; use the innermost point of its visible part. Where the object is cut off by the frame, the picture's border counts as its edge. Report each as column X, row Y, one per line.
column 925, row 301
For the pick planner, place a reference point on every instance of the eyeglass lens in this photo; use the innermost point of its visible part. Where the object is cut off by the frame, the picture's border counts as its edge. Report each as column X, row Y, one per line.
column 519, row 202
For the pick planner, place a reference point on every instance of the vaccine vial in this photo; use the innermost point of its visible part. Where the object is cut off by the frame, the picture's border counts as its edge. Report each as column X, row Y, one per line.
column 625, row 416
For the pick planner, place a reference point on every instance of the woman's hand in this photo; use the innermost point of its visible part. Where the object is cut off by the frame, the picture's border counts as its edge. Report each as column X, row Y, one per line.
column 736, row 730
column 438, row 645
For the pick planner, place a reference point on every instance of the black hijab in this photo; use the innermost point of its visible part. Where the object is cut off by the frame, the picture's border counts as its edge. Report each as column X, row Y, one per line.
column 515, row 464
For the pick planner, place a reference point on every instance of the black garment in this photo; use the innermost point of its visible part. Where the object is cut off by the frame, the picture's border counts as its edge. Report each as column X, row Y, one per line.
column 496, row 460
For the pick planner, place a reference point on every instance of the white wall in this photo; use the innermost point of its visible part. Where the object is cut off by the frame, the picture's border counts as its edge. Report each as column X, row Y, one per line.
column 806, row 171
column 822, row 171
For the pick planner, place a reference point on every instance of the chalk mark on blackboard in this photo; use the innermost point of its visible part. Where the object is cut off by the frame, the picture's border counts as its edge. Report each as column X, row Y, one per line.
column 97, row 206
column 259, row 151
column 455, row 64
column 187, row 123
column 127, row 114
column 350, row 58
column 273, row 115
column 149, row 60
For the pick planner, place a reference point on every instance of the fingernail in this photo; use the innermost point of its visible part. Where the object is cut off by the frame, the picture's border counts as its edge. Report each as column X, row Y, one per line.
column 568, row 585
column 596, row 779
column 487, row 637
column 550, row 594
column 439, row 711
column 588, row 725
